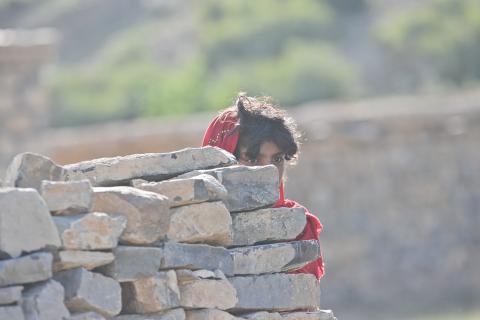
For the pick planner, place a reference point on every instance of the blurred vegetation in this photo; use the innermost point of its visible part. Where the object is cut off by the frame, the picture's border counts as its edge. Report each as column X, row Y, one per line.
column 169, row 58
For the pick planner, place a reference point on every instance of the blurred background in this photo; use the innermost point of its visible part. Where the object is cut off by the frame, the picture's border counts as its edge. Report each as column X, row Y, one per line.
column 386, row 92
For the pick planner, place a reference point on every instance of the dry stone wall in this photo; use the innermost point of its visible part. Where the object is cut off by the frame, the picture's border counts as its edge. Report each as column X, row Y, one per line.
column 181, row 235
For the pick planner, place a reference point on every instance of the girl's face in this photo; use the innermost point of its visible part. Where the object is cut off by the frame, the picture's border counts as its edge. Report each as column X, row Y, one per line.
column 269, row 154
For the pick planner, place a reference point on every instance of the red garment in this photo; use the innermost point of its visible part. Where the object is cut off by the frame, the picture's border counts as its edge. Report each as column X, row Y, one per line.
column 223, row 133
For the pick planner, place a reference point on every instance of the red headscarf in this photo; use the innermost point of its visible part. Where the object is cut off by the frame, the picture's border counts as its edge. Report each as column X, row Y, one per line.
column 223, row 132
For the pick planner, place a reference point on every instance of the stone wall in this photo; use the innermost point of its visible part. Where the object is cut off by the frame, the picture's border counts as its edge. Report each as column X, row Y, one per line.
column 181, row 235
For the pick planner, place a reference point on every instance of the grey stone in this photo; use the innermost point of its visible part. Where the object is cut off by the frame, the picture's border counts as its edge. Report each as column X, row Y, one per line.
column 10, row 295
column 25, row 222
column 271, row 258
column 185, row 275
column 132, row 263
column 277, row 292
column 174, row 314
column 88, row 291
column 149, row 166
column 196, row 292
column 86, row 316
column 44, row 302
column 248, row 188
column 27, row 170
column 316, row 315
column 209, row 314
column 267, row 225
column 11, row 313
column 207, row 222
column 31, row 268
column 152, row 294
column 262, row 315
column 91, row 231
column 70, row 197
column 181, row 192
column 71, row 259
column 196, row 256
column 147, row 213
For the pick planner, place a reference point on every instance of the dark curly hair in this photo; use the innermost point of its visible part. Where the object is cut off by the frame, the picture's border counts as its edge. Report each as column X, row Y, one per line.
column 261, row 121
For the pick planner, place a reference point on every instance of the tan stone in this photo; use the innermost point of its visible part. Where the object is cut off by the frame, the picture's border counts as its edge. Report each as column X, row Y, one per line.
column 267, row 225
column 92, row 231
column 89, row 260
column 152, row 294
column 147, row 213
column 149, row 166
column 209, row 314
column 197, row 292
column 208, row 222
column 186, row 191
column 65, row 198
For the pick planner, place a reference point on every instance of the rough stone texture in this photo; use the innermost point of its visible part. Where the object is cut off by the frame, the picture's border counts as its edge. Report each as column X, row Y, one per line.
column 267, row 225
column 91, row 231
column 278, row 257
column 25, row 222
column 277, row 292
column 248, row 188
column 209, row 314
column 10, row 295
column 149, row 166
column 315, row 315
column 174, row 314
column 207, row 222
column 64, row 198
column 196, row 292
column 65, row 260
column 132, row 263
column 147, row 213
column 32, row 268
column 196, row 256
column 153, row 294
column 86, row 316
column 27, row 170
column 44, row 302
column 186, row 191
column 11, row 313
column 87, row 291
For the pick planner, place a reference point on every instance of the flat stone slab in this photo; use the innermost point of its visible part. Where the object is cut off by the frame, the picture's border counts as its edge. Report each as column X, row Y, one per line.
column 31, row 268
column 10, row 295
column 195, row 257
column 70, row 197
column 70, row 259
column 11, row 313
column 272, row 258
column 147, row 213
column 149, row 166
column 28, row 170
column 277, row 292
column 86, row 316
column 44, row 301
column 174, row 314
column 248, row 188
column 207, row 222
column 132, row 263
column 152, row 294
column 199, row 292
column 267, row 225
column 209, row 314
column 91, row 231
column 88, row 291
column 316, row 315
column 26, row 224
column 182, row 192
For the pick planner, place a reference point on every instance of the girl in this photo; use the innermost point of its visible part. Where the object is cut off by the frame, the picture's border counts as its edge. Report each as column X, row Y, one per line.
column 258, row 134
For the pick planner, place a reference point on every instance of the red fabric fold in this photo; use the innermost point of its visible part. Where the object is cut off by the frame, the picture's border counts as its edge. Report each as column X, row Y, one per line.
column 223, row 133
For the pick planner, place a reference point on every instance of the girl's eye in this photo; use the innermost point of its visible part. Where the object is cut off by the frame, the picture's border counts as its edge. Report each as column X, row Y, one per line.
column 278, row 159
column 252, row 161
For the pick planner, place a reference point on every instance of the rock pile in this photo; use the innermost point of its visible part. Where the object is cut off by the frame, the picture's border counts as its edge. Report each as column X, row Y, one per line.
column 172, row 236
